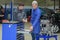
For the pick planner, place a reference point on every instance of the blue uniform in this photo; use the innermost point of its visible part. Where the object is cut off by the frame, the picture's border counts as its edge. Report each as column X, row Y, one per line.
column 35, row 21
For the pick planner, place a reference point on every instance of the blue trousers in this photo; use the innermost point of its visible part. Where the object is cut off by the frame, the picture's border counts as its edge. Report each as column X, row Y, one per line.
column 35, row 36
column 21, row 27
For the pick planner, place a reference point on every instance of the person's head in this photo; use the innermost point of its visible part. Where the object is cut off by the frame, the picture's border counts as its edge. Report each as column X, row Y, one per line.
column 1, row 9
column 21, row 6
column 34, row 4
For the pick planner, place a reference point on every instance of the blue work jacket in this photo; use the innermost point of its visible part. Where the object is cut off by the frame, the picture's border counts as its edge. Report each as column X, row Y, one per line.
column 35, row 20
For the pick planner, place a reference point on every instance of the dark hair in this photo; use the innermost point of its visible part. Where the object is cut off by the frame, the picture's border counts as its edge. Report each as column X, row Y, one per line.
column 1, row 7
column 21, row 4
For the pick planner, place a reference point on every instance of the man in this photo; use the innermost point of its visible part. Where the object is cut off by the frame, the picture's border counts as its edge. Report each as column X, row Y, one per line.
column 35, row 21
column 1, row 13
column 20, row 16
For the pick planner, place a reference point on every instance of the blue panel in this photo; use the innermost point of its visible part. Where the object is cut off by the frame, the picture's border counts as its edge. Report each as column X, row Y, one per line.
column 9, row 31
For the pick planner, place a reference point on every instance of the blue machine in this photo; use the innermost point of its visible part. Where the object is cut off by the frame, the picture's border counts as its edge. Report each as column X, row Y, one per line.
column 9, row 31
column 48, row 36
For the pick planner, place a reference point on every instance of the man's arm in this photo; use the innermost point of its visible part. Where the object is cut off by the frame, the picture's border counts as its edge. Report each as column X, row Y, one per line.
column 31, row 17
column 25, row 18
column 36, row 19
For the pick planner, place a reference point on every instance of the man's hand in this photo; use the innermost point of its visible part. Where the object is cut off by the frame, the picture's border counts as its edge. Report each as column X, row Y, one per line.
column 5, row 21
column 24, row 20
column 31, row 28
column 1, row 15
